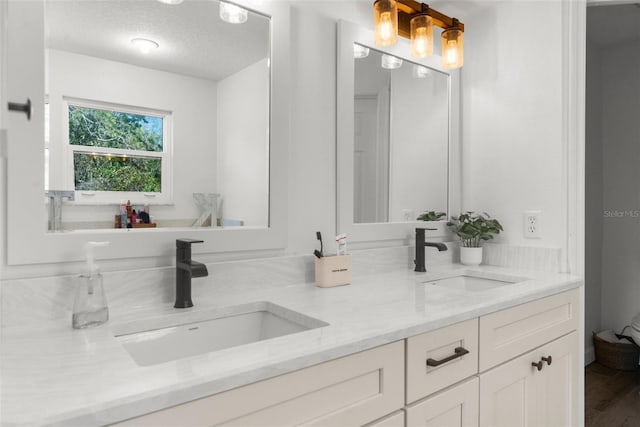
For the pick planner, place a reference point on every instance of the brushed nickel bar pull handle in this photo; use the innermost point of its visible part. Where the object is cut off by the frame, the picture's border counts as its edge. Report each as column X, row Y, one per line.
column 538, row 365
column 22, row 108
column 458, row 352
column 548, row 360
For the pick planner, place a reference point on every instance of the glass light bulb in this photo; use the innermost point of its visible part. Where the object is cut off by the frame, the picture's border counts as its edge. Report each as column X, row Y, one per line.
column 452, row 48
column 421, row 36
column 452, row 52
column 385, row 22
column 390, row 62
column 233, row 14
column 386, row 26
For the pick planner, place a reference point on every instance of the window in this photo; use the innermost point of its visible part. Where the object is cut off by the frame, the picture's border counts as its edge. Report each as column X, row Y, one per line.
column 118, row 153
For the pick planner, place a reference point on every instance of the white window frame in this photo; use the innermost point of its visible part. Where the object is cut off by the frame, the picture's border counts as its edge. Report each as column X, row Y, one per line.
column 87, row 197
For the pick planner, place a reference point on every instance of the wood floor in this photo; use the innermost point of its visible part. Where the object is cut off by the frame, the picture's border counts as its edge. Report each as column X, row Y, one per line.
column 612, row 398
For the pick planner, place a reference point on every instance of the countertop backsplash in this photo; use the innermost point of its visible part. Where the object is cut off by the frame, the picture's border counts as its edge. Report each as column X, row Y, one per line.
column 35, row 300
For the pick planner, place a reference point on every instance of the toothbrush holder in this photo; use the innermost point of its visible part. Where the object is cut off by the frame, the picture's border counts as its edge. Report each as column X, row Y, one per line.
column 333, row 271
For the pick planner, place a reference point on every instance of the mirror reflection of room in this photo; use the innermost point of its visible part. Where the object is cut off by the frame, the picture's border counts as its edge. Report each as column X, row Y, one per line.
column 171, row 124
column 401, row 138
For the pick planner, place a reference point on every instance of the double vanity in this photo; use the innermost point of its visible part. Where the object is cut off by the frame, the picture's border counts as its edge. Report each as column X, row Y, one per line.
column 462, row 346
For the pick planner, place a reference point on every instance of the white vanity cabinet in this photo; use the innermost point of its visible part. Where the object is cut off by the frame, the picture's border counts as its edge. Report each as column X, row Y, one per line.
column 514, row 367
column 495, row 383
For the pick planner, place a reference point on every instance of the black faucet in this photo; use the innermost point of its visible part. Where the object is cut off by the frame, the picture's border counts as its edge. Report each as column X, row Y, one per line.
column 186, row 268
column 420, row 244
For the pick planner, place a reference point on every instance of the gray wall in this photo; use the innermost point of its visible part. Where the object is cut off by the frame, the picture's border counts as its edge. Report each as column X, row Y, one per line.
column 621, row 173
column 593, row 196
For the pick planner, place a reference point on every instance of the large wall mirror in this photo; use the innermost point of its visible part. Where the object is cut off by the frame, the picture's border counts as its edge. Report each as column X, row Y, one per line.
column 160, row 105
column 149, row 103
column 397, row 138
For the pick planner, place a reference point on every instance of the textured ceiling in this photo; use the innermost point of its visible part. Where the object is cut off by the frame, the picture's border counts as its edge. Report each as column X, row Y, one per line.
column 193, row 40
column 608, row 25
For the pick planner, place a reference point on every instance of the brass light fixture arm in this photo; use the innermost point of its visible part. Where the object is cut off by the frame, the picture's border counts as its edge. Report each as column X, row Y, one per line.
column 407, row 9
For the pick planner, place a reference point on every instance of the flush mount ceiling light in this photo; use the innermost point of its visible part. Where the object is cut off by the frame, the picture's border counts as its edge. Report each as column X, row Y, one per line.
column 171, row 2
column 390, row 62
column 413, row 20
column 144, row 45
column 232, row 13
column 360, row 51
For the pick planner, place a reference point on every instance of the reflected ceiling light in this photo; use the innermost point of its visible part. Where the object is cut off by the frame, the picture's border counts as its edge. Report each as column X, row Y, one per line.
column 172, row 2
column 390, row 62
column 385, row 22
column 233, row 14
column 420, row 71
column 144, row 45
column 360, row 51
column 415, row 21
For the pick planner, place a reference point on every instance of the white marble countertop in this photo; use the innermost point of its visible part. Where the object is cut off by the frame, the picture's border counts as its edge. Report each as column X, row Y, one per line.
column 52, row 374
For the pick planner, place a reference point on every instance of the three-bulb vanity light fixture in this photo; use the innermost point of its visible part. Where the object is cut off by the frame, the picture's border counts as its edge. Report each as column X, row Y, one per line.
column 415, row 21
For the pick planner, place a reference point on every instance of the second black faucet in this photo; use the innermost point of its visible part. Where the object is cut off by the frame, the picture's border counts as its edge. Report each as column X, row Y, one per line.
column 420, row 245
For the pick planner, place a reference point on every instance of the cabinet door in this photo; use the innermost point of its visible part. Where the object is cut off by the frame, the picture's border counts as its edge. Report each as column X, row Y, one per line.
column 518, row 394
column 558, row 386
column 454, row 407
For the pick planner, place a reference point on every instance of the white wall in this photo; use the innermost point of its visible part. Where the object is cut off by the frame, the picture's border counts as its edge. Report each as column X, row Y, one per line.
column 512, row 117
column 242, row 162
column 621, row 148
column 593, row 196
column 191, row 100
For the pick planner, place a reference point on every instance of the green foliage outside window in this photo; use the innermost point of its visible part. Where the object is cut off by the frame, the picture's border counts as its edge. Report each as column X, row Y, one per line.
column 112, row 129
column 99, row 173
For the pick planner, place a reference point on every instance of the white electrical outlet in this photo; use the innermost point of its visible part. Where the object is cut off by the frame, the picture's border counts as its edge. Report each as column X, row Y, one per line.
column 532, row 224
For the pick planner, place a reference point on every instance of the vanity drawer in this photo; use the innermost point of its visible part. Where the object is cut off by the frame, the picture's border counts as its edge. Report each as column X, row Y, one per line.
column 514, row 331
column 352, row 390
column 456, row 343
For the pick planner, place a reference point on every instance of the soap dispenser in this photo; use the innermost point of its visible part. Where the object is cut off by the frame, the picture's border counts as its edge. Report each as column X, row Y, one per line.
column 90, row 306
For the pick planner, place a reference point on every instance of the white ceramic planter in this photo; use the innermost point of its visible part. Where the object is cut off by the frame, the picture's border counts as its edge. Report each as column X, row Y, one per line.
column 470, row 256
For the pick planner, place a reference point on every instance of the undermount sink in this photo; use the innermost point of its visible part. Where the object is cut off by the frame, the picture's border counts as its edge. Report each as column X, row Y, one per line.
column 474, row 283
column 155, row 341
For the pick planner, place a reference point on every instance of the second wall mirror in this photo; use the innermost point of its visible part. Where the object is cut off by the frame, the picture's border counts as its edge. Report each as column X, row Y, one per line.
column 397, row 138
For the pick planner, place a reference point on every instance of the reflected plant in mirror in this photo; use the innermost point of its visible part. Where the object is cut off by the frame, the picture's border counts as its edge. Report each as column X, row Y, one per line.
column 156, row 121
column 401, row 139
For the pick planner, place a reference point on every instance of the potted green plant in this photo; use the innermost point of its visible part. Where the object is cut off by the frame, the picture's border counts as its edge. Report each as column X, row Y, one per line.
column 431, row 216
column 473, row 228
